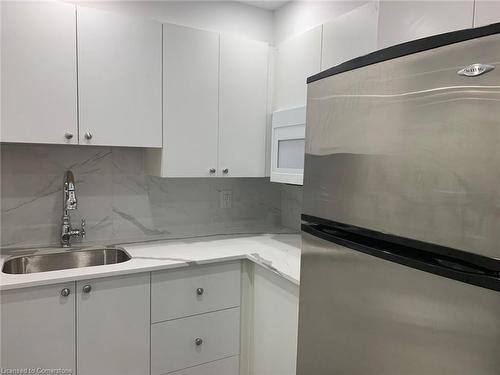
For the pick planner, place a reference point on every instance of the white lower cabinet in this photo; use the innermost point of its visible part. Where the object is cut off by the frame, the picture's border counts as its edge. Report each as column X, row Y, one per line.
column 113, row 320
column 274, row 330
column 194, row 340
column 226, row 366
column 196, row 319
column 38, row 327
column 99, row 326
column 195, row 290
column 229, row 318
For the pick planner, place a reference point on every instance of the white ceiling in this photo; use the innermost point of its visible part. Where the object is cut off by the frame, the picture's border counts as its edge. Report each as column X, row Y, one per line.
column 266, row 4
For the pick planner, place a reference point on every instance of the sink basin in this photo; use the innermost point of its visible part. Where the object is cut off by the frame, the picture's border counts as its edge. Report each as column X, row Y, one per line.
column 47, row 260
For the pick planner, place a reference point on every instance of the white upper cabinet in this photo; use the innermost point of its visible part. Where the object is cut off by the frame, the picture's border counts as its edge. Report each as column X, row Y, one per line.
column 38, row 70
column 119, row 79
column 243, row 107
column 215, row 106
column 402, row 21
column 351, row 35
column 296, row 59
column 486, row 12
column 191, row 89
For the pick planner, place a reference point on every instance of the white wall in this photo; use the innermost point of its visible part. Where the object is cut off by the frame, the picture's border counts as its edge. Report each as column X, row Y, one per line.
column 298, row 16
column 220, row 16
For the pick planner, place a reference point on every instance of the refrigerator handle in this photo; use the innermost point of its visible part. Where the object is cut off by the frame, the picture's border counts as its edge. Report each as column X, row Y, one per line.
column 437, row 264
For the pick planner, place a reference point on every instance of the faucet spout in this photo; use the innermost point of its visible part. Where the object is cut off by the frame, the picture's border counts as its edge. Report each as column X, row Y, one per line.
column 69, row 203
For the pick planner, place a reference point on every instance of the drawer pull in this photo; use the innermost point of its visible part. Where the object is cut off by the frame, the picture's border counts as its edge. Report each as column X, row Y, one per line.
column 86, row 289
column 200, row 291
column 198, row 341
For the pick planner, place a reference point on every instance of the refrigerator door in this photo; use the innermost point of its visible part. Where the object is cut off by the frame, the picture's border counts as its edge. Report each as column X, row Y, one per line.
column 362, row 315
column 411, row 148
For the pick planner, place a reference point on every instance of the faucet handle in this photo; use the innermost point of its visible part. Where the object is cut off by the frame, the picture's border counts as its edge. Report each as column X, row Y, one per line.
column 82, row 229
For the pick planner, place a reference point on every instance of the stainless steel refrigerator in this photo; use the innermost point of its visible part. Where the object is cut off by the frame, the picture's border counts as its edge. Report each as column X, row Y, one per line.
column 401, row 215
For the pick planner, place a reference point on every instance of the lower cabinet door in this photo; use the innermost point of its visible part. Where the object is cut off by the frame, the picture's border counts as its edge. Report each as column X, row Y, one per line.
column 227, row 366
column 113, row 325
column 186, row 342
column 38, row 329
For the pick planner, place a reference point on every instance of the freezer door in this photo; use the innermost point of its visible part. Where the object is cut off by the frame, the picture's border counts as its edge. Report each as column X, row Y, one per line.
column 411, row 148
column 362, row 315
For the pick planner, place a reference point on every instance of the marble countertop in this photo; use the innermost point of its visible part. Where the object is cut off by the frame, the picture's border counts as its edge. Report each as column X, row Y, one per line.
column 279, row 253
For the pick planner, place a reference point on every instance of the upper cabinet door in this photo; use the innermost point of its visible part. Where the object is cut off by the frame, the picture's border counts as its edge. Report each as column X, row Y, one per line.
column 351, row 35
column 242, row 107
column 486, row 12
column 402, row 21
column 191, row 89
column 38, row 70
column 296, row 59
column 119, row 79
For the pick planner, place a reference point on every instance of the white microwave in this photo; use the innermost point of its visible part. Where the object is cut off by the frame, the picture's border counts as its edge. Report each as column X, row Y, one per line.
column 287, row 149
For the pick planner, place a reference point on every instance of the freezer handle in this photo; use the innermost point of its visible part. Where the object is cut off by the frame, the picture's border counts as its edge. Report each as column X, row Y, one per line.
column 438, row 264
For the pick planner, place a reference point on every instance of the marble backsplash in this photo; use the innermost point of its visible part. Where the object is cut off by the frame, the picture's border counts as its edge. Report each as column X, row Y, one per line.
column 121, row 203
column 291, row 206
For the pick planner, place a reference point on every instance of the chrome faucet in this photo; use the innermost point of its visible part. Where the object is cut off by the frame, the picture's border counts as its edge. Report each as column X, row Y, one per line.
column 69, row 203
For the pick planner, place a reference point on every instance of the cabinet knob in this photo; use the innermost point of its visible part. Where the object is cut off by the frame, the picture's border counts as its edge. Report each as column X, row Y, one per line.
column 198, row 341
column 225, row 170
column 88, row 136
column 200, row 291
column 68, row 135
column 86, row 289
column 65, row 292
column 212, row 170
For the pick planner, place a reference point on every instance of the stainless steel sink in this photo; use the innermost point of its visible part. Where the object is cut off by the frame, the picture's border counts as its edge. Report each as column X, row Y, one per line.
column 52, row 260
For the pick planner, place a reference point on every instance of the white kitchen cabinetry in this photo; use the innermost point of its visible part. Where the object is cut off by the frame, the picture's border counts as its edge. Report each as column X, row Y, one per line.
column 190, row 341
column 191, row 89
column 113, row 320
column 196, row 319
column 119, row 79
column 215, row 105
column 197, row 290
column 275, row 324
column 486, row 12
column 296, row 59
column 243, row 111
column 402, row 21
column 226, row 366
column 38, row 70
column 350, row 35
column 38, row 327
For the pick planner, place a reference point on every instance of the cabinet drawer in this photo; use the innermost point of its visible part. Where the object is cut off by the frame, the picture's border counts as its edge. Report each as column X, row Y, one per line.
column 195, row 290
column 227, row 366
column 174, row 346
